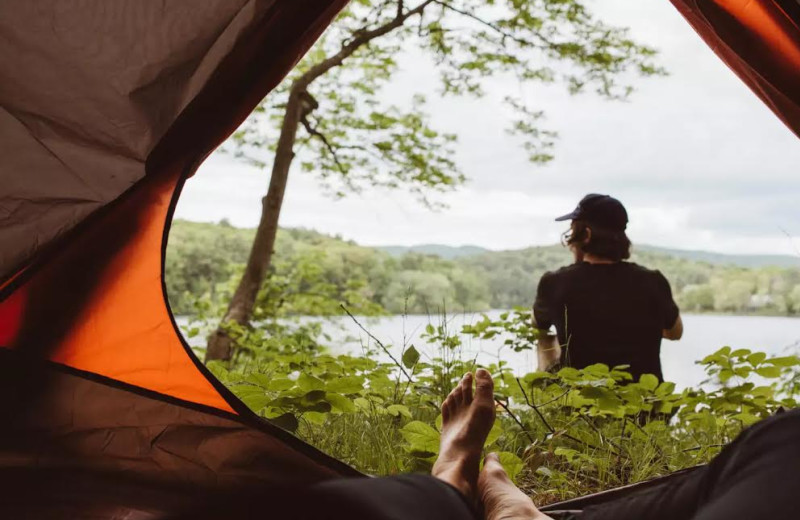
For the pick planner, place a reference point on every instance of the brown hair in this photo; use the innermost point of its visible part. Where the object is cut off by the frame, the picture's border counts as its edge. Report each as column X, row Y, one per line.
column 605, row 243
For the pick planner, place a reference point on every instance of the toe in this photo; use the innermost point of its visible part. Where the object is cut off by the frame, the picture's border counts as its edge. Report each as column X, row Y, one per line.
column 457, row 396
column 492, row 477
column 446, row 410
column 484, row 386
column 492, row 467
column 453, row 392
column 467, row 388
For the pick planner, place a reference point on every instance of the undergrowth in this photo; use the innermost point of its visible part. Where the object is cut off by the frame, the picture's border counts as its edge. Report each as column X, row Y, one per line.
column 559, row 435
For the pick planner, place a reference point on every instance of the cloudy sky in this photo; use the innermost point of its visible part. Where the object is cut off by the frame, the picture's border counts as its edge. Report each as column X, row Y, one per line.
column 698, row 160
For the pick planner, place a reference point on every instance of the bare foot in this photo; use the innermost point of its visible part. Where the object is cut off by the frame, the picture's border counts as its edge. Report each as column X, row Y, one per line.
column 466, row 421
column 501, row 499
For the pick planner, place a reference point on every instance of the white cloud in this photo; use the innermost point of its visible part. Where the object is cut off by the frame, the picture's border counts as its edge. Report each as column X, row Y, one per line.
column 698, row 160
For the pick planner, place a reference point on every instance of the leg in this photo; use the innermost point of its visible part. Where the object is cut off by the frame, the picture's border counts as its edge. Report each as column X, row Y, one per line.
column 502, row 500
column 760, row 478
column 466, row 421
column 449, row 494
column 756, row 476
column 402, row 497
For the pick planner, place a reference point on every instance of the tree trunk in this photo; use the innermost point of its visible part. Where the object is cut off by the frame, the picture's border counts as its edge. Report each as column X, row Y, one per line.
column 220, row 344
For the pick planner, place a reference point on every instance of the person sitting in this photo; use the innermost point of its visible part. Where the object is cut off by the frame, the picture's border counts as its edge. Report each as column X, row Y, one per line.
column 604, row 308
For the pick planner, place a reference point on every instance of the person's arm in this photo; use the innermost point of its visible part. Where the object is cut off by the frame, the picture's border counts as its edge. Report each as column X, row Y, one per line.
column 672, row 323
column 676, row 331
column 548, row 350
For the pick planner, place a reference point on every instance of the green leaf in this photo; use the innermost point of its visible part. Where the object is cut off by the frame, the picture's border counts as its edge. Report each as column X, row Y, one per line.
column 308, row 382
column 421, row 437
column 648, row 381
column 312, row 397
column 598, row 369
column 219, row 370
column 665, row 388
column 606, row 400
column 756, row 358
column 569, row 373
column 317, row 418
column 256, row 402
column 769, row 372
column 398, row 410
column 511, row 463
column 346, row 385
column 280, row 384
column 786, row 361
column 746, row 418
column 286, row 421
column 410, row 357
column 567, row 453
column 320, row 406
column 261, row 380
column 340, row 402
column 494, row 433
column 725, row 374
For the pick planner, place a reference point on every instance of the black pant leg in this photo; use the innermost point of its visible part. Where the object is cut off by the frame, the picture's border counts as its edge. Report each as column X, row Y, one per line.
column 756, row 476
column 678, row 498
column 761, row 477
column 402, row 497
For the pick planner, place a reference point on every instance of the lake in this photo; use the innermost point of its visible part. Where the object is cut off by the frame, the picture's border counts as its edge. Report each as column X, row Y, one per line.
column 703, row 334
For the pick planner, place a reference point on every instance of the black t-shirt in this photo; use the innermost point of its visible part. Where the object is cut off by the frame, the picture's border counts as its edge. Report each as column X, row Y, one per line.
column 607, row 313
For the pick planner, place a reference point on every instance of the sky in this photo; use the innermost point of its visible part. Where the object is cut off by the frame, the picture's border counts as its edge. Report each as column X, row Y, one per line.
column 697, row 159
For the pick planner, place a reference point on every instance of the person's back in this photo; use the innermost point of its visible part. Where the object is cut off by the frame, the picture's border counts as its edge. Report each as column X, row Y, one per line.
column 604, row 309
column 608, row 313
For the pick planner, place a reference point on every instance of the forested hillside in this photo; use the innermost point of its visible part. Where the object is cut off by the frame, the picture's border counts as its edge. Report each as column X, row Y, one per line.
column 202, row 258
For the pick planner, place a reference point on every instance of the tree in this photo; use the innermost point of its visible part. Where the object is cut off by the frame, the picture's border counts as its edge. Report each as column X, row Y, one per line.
column 419, row 292
column 793, row 301
column 697, row 297
column 732, row 296
column 329, row 112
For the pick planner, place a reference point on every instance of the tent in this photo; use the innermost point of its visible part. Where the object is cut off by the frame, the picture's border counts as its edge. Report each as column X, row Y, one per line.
column 106, row 108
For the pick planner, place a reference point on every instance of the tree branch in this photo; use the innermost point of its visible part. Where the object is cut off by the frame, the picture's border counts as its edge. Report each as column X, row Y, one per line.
column 362, row 38
column 550, row 428
column 505, row 34
column 319, row 135
column 516, row 420
column 376, row 340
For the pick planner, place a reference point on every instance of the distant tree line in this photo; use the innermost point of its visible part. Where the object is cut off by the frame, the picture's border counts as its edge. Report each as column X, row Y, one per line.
column 204, row 259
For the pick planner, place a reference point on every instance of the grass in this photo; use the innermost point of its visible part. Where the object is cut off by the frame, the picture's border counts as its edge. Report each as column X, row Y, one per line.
column 559, row 435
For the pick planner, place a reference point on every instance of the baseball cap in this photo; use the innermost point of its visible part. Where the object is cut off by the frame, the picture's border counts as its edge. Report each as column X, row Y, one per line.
column 601, row 210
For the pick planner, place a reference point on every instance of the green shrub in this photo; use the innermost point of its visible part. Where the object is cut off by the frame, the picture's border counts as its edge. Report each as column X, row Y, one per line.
column 559, row 435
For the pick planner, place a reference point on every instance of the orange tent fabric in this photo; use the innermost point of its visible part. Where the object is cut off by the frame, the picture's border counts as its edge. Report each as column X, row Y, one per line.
column 760, row 41
column 93, row 89
column 106, row 107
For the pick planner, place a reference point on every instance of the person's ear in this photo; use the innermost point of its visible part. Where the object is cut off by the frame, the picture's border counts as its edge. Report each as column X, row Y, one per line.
column 588, row 235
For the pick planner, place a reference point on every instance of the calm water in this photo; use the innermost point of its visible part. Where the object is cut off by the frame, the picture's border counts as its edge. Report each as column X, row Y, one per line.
column 703, row 335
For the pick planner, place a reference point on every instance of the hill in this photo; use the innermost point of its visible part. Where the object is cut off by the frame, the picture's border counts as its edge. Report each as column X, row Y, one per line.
column 442, row 251
column 203, row 261
column 754, row 261
column 726, row 259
